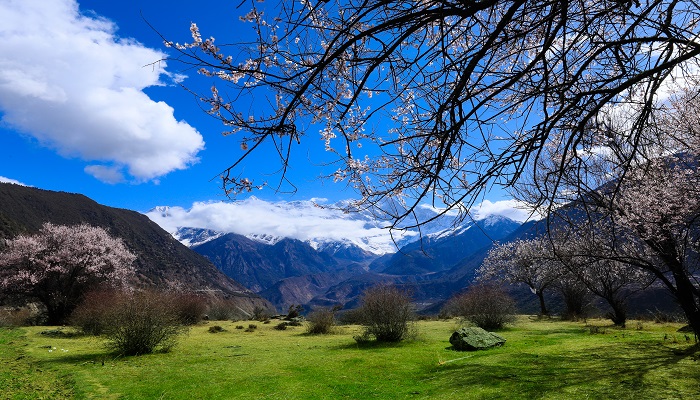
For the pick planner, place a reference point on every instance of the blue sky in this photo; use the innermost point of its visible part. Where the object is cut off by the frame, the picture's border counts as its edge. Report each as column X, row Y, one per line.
column 87, row 108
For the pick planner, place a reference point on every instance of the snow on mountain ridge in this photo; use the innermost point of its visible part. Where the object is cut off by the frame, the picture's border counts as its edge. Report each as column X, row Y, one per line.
column 191, row 237
column 317, row 224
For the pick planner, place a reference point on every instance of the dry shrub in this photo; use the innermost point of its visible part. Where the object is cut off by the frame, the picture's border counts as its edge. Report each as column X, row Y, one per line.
column 18, row 316
column 261, row 314
column 190, row 307
column 224, row 309
column 141, row 323
column 90, row 315
column 321, row 321
column 386, row 314
column 486, row 306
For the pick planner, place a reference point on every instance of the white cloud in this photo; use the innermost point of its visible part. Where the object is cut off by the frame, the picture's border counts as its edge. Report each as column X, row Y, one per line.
column 105, row 173
column 302, row 220
column 307, row 221
column 69, row 81
column 513, row 209
column 14, row 181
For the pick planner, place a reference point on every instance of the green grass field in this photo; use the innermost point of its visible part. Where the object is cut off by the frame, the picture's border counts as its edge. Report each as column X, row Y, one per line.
column 542, row 359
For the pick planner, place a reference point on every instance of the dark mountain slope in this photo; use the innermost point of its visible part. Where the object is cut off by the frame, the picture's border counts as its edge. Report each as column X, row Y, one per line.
column 259, row 266
column 162, row 261
column 440, row 253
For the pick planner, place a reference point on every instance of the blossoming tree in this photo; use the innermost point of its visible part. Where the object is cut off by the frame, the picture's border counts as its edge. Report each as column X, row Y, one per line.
column 583, row 255
column 656, row 217
column 59, row 264
column 523, row 261
column 533, row 262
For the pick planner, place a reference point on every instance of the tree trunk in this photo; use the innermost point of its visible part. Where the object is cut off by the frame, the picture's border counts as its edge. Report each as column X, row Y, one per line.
column 543, row 307
column 685, row 292
column 618, row 315
column 688, row 301
column 574, row 300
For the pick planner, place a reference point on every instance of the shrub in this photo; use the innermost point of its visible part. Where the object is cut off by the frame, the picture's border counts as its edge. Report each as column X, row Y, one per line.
column 222, row 309
column 190, row 308
column 90, row 315
column 261, row 314
column 281, row 326
column 294, row 312
column 141, row 323
column 595, row 330
column 19, row 316
column 486, row 306
column 386, row 313
column 216, row 329
column 321, row 321
column 661, row 316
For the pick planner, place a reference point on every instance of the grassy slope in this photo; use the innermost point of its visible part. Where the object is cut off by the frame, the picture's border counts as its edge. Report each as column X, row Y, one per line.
column 540, row 360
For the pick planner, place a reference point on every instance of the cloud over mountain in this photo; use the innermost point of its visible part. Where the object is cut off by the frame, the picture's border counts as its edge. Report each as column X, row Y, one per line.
column 9, row 180
column 303, row 220
column 69, row 81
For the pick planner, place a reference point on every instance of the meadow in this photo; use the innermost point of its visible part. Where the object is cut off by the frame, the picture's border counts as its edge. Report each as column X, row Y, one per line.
column 542, row 359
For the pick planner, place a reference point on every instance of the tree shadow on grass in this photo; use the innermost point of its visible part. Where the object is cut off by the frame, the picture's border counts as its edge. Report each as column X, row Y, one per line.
column 369, row 345
column 620, row 371
column 88, row 358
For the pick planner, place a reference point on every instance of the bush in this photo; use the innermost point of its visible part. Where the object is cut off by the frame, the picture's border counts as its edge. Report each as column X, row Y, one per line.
column 321, row 321
column 261, row 314
column 141, row 323
column 281, row 326
column 190, row 308
column 90, row 315
column 294, row 312
column 386, row 314
column 12, row 317
column 222, row 309
column 486, row 306
column 216, row 329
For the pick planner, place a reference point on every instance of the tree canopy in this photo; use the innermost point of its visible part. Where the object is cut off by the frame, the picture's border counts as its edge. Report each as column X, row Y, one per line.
column 439, row 100
column 59, row 264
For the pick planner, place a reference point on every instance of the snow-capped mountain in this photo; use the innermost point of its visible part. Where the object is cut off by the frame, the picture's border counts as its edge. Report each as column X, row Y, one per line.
column 303, row 251
column 192, row 237
column 311, row 221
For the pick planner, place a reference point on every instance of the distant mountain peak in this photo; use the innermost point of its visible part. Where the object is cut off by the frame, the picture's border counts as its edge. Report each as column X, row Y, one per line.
column 494, row 219
column 264, row 238
column 164, row 211
column 192, row 237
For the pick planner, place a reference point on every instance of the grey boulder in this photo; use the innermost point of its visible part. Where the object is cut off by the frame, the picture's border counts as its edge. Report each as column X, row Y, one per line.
column 474, row 338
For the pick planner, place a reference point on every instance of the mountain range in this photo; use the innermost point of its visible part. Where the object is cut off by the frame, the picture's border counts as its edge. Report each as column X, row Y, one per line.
column 323, row 272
